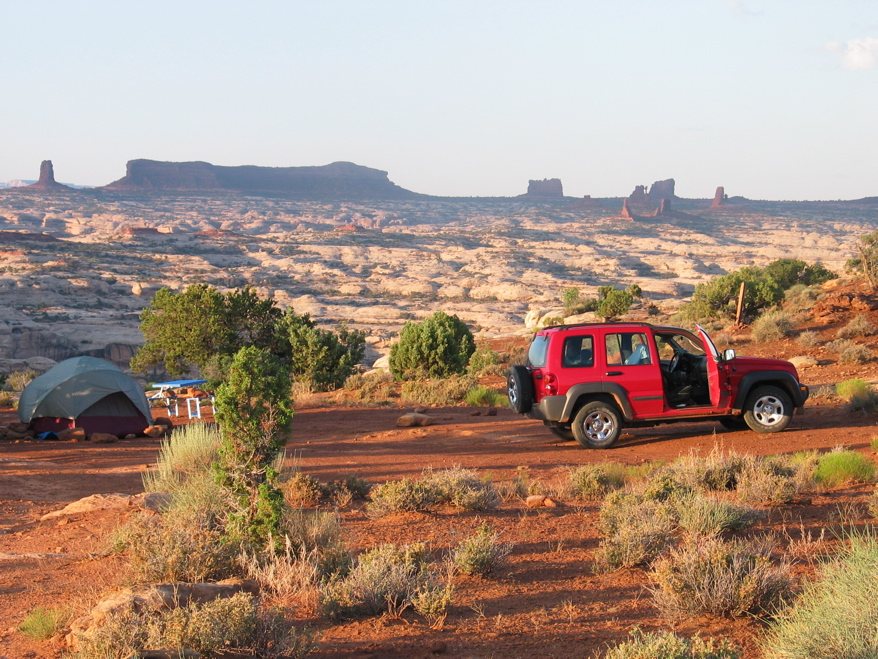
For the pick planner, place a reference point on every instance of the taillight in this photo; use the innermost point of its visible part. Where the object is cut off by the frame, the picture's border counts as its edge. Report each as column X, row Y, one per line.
column 551, row 384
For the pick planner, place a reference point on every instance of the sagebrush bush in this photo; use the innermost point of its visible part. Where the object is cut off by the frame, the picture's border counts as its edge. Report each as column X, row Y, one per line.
column 596, row 481
column 189, row 451
column 386, row 577
column 841, row 467
column 404, row 495
column 771, row 326
column 439, row 346
column 634, row 529
column 858, row 326
column 709, row 515
column 18, row 380
column 717, row 577
column 764, row 481
column 667, row 645
column 718, row 471
column 437, row 393
column 808, row 339
column 301, row 490
column 873, row 504
column 370, row 388
column 850, row 352
column 835, row 616
column 481, row 553
column 800, row 297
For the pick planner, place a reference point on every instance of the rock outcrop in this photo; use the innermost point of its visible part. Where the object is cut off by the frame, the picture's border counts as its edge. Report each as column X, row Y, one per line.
column 47, row 180
column 626, row 210
column 339, row 180
column 548, row 188
column 661, row 190
column 720, row 198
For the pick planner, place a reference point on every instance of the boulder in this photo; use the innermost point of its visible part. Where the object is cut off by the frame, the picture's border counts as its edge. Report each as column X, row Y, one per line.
column 413, row 419
column 803, row 361
column 163, row 421
column 155, row 431
column 90, row 503
column 102, row 438
column 71, row 435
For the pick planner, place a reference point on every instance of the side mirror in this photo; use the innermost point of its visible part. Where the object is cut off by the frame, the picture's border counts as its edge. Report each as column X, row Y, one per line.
column 728, row 354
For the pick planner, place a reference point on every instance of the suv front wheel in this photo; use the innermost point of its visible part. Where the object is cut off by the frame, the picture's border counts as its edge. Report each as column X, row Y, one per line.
column 768, row 409
column 597, row 425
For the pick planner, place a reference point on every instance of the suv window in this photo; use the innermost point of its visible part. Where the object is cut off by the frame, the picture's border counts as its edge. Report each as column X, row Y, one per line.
column 667, row 342
column 578, row 352
column 627, row 349
column 539, row 348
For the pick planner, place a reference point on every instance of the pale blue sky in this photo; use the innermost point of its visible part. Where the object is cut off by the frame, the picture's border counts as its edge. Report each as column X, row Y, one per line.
column 772, row 99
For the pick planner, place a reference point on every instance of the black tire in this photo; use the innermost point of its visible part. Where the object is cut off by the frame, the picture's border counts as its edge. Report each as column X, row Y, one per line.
column 768, row 409
column 562, row 431
column 597, row 425
column 520, row 389
column 733, row 423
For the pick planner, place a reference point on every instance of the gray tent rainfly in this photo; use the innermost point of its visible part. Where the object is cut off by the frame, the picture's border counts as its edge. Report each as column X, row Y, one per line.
column 88, row 393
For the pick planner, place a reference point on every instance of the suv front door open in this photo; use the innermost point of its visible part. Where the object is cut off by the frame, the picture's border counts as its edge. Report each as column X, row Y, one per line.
column 631, row 363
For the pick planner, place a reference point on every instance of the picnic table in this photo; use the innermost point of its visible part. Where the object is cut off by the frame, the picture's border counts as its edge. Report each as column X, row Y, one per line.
column 166, row 393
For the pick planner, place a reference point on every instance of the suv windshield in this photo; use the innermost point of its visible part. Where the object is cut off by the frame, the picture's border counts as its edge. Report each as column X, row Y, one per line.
column 536, row 355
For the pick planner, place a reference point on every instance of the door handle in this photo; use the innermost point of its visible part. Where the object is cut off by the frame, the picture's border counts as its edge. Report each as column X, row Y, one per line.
column 614, row 373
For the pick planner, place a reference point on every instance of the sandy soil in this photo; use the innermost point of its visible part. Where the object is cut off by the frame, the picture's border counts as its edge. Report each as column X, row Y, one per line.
column 546, row 602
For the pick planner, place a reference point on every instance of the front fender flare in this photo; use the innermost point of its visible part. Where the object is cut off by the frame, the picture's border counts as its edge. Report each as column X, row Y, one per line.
column 778, row 378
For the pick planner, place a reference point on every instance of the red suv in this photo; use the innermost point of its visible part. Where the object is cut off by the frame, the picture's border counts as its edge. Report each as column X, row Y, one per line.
column 586, row 382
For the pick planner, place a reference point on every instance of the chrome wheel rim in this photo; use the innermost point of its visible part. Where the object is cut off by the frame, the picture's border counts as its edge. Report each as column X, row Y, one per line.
column 599, row 426
column 768, row 410
column 513, row 392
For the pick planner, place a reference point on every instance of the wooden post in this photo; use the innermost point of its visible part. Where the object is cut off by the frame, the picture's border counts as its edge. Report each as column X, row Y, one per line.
column 739, row 312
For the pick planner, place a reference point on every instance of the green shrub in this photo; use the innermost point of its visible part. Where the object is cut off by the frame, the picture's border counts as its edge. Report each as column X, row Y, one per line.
column 842, row 467
column 800, row 297
column 835, row 616
column 43, row 622
column 439, row 346
column 370, row 388
column 613, row 304
column 713, row 576
column 667, row 645
column 596, row 481
column 771, row 326
column 481, row 396
column 718, row 471
column 481, row 553
column 808, row 339
column 484, row 361
column 704, row 515
column 437, row 393
column 635, row 530
column 254, row 411
column 859, row 393
column 459, row 487
column 858, row 326
column 866, row 262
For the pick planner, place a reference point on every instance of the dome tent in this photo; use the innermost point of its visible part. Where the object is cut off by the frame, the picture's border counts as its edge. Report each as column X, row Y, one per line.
column 88, row 393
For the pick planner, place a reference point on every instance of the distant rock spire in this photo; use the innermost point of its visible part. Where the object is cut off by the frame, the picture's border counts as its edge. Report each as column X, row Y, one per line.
column 719, row 199
column 47, row 179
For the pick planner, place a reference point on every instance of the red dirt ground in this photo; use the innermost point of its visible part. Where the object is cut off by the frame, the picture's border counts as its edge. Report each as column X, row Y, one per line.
column 545, row 602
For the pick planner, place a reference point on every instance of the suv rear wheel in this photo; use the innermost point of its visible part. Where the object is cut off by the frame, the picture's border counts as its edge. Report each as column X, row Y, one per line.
column 597, row 425
column 768, row 409
column 519, row 388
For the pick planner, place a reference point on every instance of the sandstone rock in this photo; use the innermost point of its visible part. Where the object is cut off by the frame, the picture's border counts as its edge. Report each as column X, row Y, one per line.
column 90, row 503
column 626, row 210
column 47, row 179
column 19, row 427
column 12, row 435
column 155, row 431
column 532, row 318
column 535, row 500
column 720, row 198
column 71, row 435
column 338, row 180
column 412, row 419
column 382, row 363
column 803, row 361
column 163, row 421
column 155, row 502
column 662, row 190
column 548, row 188
column 102, row 438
